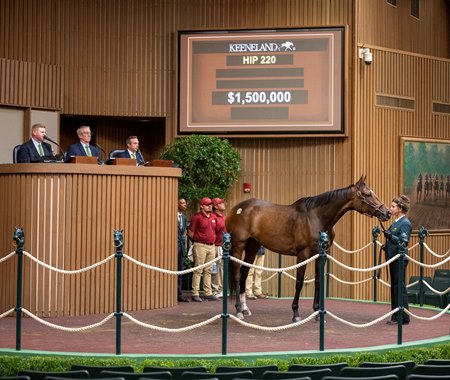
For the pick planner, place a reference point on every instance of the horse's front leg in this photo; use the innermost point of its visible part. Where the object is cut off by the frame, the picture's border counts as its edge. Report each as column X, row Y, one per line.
column 298, row 288
column 241, row 301
column 316, row 304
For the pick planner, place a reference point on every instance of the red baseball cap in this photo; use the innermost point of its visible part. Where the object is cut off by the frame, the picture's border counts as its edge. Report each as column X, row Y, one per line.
column 217, row 201
column 206, row 201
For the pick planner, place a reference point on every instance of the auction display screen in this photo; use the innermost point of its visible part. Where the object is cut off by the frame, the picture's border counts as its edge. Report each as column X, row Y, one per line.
column 260, row 81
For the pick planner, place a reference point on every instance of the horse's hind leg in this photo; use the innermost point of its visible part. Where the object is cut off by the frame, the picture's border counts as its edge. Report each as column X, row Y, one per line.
column 298, row 288
column 237, row 251
column 251, row 247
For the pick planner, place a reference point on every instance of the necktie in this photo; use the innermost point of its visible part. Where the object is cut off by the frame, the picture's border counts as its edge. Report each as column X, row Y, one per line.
column 41, row 151
column 88, row 151
column 133, row 156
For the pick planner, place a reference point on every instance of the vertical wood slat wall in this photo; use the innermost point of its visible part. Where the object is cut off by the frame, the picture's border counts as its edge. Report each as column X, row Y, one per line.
column 378, row 130
column 119, row 58
column 69, row 219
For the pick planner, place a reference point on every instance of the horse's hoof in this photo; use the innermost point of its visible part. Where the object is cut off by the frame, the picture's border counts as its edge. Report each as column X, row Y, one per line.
column 247, row 312
column 296, row 319
column 240, row 316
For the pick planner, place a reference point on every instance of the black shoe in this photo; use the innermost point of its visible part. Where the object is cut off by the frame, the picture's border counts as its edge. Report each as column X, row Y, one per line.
column 182, row 299
column 197, row 299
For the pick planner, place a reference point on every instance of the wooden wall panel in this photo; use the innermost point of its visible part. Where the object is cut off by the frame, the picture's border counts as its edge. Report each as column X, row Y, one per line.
column 69, row 214
column 30, row 84
column 378, row 129
column 379, row 23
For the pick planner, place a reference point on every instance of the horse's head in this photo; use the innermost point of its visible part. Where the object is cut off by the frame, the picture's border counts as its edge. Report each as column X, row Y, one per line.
column 366, row 202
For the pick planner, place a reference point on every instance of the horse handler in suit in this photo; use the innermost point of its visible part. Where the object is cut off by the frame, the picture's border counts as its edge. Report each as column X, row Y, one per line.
column 35, row 149
column 399, row 207
column 84, row 148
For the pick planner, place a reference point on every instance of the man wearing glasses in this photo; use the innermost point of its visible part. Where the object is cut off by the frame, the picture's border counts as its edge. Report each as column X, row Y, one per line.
column 84, row 147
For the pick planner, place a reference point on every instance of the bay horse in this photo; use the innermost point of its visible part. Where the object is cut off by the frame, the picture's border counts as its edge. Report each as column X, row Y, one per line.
column 292, row 230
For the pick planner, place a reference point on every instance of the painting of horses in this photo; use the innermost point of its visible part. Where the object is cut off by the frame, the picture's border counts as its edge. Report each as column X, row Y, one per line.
column 425, row 178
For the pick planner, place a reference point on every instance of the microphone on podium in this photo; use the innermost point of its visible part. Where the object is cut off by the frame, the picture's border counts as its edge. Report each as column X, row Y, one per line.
column 142, row 158
column 99, row 147
column 59, row 146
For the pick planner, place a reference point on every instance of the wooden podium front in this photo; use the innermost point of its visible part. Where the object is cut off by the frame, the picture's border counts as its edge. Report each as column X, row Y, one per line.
column 69, row 213
column 84, row 160
column 123, row 161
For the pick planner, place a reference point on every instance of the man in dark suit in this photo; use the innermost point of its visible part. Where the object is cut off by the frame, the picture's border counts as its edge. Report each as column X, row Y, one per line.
column 35, row 149
column 182, row 224
column 399, row 208
column 84, row 148
column 132, row 151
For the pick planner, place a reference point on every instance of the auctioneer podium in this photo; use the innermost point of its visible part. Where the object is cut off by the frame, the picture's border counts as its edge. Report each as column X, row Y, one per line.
column 69, row 213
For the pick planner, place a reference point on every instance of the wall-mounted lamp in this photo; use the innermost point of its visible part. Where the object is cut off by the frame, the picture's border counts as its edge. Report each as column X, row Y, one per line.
column 247, row 187
column 366, row 55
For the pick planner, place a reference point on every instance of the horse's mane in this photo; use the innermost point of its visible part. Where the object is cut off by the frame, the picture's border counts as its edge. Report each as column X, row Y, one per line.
column 321, row 199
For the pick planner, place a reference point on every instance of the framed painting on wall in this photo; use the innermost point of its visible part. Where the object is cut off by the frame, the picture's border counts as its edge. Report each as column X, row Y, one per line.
column 425, row 179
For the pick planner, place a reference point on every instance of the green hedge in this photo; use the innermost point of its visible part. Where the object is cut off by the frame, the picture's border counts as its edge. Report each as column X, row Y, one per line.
column 11, row 365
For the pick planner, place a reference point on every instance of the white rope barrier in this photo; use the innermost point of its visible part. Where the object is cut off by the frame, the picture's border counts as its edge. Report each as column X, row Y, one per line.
column 171, row 272
column 440, row 314
column 384, row 283
column 7, row 256
column 412, row 284
column 68, row 329
column 165, row 329
column 429, row 265
column 350, row 282
column 413, row 246
column 274, row 269
column 364, row 269
column 6, row 313
column 435, row 254
column 363, row 325
column 435, row 290
column 355, row 251
column 63, row 271
column 272, row 329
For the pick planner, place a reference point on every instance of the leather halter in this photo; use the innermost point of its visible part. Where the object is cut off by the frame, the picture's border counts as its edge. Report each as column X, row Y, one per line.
column 371, row 204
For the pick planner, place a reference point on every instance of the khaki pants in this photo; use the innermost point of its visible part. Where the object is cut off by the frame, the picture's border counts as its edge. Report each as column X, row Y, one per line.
column 217, row 278
column 203, row 253
column 253, row 283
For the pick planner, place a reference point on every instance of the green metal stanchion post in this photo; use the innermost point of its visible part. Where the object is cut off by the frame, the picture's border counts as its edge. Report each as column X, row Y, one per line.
column 118, row 245
column 327, row 279
column 375, row 233
column 280, row 263
column 422, row 234
column 19, row 241
column 323, row 248
column 402, row 244
column 226, row 245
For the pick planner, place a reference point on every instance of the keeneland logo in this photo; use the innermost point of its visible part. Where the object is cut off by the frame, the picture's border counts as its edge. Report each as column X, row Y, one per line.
column 261, row 47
